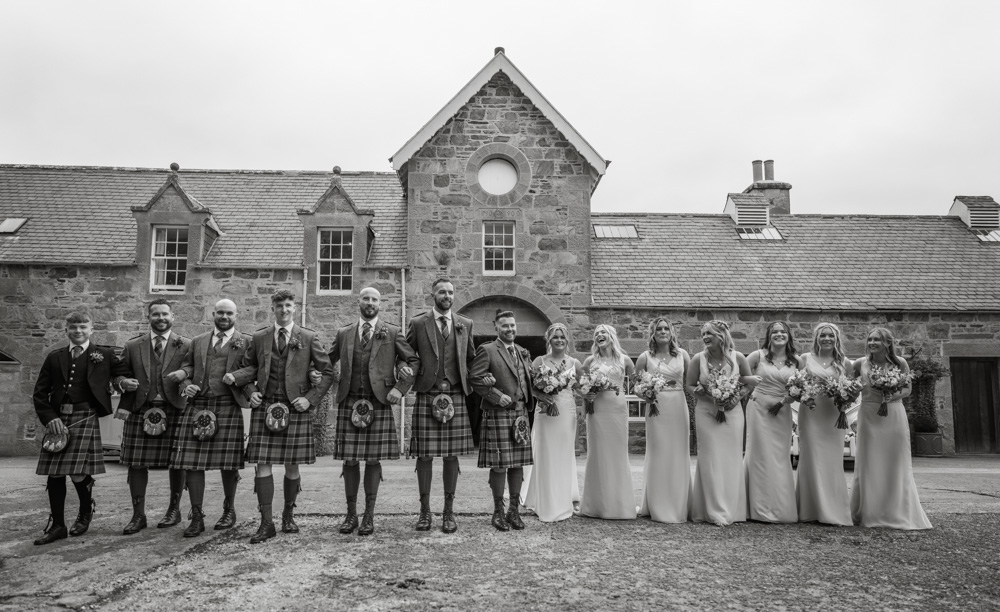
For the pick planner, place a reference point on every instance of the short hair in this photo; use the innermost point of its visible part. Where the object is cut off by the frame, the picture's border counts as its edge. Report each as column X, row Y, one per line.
column 503, row 313
column 282, row 295
column 438, row 281
column 158, row 302
column 78, row 316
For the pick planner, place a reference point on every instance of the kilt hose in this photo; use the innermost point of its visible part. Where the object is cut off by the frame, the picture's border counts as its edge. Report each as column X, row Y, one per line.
column 293, row 445
column 224, row 450
column 142, row 450
column 83, row 453
column 373, row 443
column 432, row 438
column 497, row 448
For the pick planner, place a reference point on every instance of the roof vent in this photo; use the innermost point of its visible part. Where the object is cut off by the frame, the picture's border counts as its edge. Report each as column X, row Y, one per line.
column 981, row 214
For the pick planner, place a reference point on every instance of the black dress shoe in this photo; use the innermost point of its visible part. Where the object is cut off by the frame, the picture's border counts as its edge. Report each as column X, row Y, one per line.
column 265, row 532
column 197, row 525
column 350, row 523
column 514, row 518
column 173, row 514
column 288, row 520
column 448, row 524
column 499, row 520
column 228, row 519
column 367, row 523
column 425, row 521
column 82, row 523
column 52, row 533
column 137, row 524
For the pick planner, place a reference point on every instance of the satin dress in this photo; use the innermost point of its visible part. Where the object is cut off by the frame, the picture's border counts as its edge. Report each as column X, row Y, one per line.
column 667, row 468
column 607, row 481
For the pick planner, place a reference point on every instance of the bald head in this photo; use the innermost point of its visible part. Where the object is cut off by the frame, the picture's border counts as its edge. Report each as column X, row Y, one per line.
column 369, row 302
column 224, row 315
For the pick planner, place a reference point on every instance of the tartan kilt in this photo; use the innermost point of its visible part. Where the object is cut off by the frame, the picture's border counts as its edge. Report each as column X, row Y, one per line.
column 497, row 448
column 373, row 443
column 141, row 450
column 295, row 445
column 83, row 453
column 224, row 450
column 432, row 438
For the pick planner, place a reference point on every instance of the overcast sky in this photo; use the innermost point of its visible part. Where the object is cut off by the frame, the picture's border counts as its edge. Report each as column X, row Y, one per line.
column 866, row 107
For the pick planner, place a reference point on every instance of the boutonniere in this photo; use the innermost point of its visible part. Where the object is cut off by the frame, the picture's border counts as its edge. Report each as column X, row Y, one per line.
column 524, row 353
column 96, row 357
column 237, row 343
column 380, row 333
column 294, row 343
column 177, row 342
column 459, row 327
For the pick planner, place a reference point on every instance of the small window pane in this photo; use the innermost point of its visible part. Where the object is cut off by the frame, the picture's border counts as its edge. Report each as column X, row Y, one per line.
column 335, row 259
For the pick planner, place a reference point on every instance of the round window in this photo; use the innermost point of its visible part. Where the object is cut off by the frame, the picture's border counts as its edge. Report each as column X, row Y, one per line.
column 497, row 176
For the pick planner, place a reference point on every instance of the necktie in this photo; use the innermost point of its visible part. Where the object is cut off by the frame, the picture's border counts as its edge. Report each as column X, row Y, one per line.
column 513, row 355
column 158, row 349
column 366, row 333
column 444, row 325
column 221, row 338
column 282, row 341
column 75, row 352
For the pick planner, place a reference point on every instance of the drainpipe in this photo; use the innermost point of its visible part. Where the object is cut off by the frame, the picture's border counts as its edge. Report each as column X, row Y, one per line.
column 305, row 289
column 402, row 401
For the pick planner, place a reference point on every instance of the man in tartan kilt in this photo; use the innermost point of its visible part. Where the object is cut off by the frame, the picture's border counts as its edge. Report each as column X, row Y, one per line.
column 209, row 386
column 443, row 340
column 154, row 361
column 279, row 360
column 73, row 390
column 369, row 352
column 500, row 374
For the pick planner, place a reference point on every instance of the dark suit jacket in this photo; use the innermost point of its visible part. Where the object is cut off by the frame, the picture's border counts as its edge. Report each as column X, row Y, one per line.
column 421, row 335
column 386, row 353
column 138, row 358
column 50, row 388
column 256, row 364
column 493, row 358
column 194, row 365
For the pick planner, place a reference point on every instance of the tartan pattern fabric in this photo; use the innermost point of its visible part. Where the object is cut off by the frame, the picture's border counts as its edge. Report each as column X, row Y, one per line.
column 432, row 438
column 224, row 450
column 496, row 443
column 83, row 453
column 141, row 450
column 373, row 443
column 293, row 445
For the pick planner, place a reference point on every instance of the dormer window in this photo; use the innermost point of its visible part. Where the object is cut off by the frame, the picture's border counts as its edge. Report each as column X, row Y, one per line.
column 168, row 265
column 752, row 214
column 981, row 215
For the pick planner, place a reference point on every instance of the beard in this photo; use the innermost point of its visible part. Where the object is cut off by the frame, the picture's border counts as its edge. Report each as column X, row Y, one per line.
column 443, row 304
column 224, row 324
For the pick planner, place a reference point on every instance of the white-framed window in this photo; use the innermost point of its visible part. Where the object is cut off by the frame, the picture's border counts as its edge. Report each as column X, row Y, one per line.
column 168, row 268
column 498, row 248
column 335, row 261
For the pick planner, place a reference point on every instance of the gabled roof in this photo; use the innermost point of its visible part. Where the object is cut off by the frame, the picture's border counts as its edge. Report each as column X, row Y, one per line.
column 65, row 203
column 744, row 199
column 499, row 63
column 191, row 202
column 825, row 262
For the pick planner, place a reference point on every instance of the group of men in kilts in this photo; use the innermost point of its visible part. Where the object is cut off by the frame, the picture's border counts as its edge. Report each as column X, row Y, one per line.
column 182, row 401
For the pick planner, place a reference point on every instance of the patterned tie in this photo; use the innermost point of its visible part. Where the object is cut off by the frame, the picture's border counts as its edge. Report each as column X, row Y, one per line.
column 76, row 351
column 282, row 341
column 366, row 333
column 444, row 326
column 221, row 338
column 513, row 355
column 158, row 349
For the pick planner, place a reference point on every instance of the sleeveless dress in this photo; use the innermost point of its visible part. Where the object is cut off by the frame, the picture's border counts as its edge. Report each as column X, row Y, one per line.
column 607, row 481
column 767, row 466
column 821, row 493
column 719, row 490
column 667, row 468
column 884, row 493
column 551, row 483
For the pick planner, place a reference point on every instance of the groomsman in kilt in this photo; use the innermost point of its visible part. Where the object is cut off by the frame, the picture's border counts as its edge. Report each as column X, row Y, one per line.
column 151, row 399
column 210, row 388
column 369, row 351
column 282, row 401
column 443, row 340
column 500, row 374
column 73, row 390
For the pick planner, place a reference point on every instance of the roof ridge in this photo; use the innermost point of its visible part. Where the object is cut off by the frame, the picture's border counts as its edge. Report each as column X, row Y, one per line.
column 46, row 167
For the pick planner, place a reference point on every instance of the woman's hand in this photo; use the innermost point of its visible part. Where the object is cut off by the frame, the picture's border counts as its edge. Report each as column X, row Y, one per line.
column 752, row 380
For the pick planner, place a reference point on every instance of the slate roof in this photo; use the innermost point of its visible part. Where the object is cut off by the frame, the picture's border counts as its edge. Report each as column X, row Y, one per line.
column 977, row 201
column 825, row 262
column 249, row 206
column 744, row 199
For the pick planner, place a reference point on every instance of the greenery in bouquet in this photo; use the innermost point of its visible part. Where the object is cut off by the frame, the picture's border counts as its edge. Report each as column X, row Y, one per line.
column 550, row 381
column 595, row 382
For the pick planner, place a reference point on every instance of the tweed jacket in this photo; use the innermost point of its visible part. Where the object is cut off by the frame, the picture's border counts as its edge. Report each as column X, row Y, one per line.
column 389, row 349
column 303, row 349
column 421, row 335
column 50, row 388
column 194, row 365
column 138, row 358
column 493, row 358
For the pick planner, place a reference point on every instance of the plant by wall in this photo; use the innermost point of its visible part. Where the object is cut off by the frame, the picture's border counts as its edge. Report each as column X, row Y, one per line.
column 921, row 405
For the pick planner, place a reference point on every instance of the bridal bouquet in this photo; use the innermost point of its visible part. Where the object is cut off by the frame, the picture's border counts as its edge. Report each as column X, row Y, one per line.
column 844, row 391
column 724, row 389
column 551, row 380
column 595, row 382
column 889, row 380
column 646, row 385
column 804, row 387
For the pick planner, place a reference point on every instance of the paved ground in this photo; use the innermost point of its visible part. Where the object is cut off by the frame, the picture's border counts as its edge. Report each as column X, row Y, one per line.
column 580, row 563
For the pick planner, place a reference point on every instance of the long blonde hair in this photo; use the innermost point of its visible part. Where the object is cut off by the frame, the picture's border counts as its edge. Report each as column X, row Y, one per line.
column 838, row 346
column 720, row 329
column 616, row 347
column 551, row 331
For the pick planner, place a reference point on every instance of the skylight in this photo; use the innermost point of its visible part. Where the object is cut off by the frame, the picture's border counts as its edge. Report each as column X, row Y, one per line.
column 758, row 233
column 11, row 225
column 987, row 235
column 615, row 231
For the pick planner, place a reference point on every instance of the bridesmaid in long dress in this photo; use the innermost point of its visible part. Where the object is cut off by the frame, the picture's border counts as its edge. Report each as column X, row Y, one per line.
column 719, row 491
column 884, row 493
column 552, row 486
column 667, row 468
column 607, row 481
column 821, row 492
column 768, row 470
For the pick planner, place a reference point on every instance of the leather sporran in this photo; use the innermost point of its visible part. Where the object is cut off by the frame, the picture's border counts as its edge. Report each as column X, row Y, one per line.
column 205, row 425
column 276, row 418
column 520, row 430
column 362, row 413
column 55, row 443
column 443, row 407
column 154, row 422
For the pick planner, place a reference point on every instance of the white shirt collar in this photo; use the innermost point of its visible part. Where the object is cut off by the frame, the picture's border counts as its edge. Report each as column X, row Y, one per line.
column 288, row 328
column 228, row 335
column 438, row 314
column 85, row 346
column 361, row 325
column 153, row 335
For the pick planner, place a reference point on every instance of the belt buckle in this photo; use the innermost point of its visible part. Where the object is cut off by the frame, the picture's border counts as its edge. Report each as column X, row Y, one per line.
column 443, row 386
column 66, row 409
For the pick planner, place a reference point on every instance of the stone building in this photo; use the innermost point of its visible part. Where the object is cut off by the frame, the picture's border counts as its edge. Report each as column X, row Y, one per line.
column 494, row 191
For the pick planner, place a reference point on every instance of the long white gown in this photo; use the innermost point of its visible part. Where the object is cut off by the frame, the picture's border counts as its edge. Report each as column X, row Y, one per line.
column 884, row 493
column 667, row 467
column 719, row 490
column 821, row 491
column 607, row 482
column 551, row 483
column 767, row 466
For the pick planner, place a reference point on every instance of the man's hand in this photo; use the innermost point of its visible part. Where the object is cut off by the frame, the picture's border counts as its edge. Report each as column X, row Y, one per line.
column 504, row 400
column 120, row 414
column 405, row 372
column 394, row 396
column 176, row 376
column 489, row 380
column 300, row 404
column 128, row 385
column 191, row 391
column 315, row 377
column 255, row 399
column 56, row 427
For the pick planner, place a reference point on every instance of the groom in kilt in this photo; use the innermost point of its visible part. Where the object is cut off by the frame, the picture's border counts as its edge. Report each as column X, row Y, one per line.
column 73, row 390
column 209, row 386
column 369, row 352
column 500, row 375
column 151, row 388
column 443, row 340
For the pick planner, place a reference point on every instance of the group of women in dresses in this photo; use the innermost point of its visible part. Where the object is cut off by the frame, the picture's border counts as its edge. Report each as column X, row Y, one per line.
column 728, row 485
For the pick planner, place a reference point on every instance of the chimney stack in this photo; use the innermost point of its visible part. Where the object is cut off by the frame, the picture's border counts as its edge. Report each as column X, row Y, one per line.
column 769, row 170
column 776, row 192
column 757, row 174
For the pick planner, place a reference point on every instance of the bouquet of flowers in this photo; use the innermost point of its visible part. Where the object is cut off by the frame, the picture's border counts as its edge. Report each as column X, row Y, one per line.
column 646, row 385
column 889, row 380
column 724, row 389
column 595, row 382
column 803, row 387
column 551, row 380
column 844, row 391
